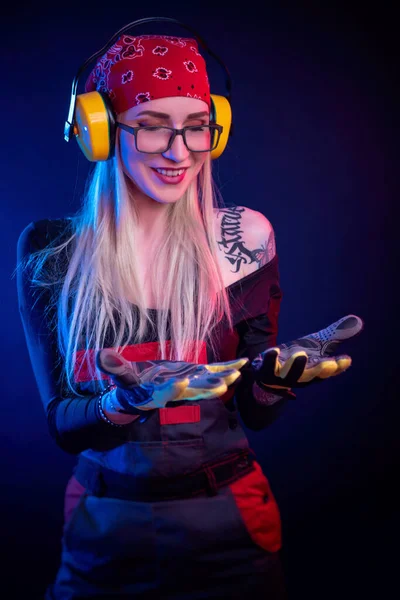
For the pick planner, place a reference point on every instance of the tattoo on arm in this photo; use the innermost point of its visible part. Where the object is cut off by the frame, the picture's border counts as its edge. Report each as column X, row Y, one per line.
column 267, row 252
column 232, row 243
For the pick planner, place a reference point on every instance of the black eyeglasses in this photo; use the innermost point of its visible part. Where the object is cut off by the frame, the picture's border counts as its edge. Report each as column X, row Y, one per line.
column 157, row 140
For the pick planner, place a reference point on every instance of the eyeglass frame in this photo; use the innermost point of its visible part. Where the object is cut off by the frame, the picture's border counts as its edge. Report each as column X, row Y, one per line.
column 133, row 131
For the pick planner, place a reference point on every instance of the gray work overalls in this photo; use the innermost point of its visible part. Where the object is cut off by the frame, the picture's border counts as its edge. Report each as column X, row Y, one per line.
column 216, row 539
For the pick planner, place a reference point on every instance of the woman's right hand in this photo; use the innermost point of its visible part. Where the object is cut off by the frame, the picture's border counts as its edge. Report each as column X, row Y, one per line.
column 148, row 385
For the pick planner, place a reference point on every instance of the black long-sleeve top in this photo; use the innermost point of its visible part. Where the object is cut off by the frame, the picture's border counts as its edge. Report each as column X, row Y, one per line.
column 75, row 422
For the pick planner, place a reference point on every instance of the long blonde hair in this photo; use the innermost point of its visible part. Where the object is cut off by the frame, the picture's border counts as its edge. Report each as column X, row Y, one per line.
column 99, row 266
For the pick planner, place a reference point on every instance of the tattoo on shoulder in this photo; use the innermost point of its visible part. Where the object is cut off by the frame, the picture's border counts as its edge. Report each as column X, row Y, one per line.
column 267, row 251
column 233, row 245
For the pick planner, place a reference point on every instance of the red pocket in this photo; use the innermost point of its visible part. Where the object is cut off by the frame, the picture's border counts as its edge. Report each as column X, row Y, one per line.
column 258, row 509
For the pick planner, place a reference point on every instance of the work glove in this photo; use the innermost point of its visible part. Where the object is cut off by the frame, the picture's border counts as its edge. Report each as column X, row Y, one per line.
column 303, row 361
column 153, row 384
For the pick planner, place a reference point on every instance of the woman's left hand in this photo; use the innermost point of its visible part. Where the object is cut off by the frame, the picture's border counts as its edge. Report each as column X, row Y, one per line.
column 306, row 360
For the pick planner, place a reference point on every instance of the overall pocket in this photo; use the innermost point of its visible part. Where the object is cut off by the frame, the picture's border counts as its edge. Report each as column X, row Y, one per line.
column 166, row 458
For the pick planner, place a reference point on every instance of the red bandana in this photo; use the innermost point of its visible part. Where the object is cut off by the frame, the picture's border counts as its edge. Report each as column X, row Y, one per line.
column 139, row 69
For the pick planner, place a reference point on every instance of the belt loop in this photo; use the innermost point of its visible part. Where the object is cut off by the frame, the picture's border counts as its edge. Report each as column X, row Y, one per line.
column 97, row 485
column 213, row 490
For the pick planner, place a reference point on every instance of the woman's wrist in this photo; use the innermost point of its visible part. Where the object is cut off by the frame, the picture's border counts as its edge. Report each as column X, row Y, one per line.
column 113, row 410
column 267, row 396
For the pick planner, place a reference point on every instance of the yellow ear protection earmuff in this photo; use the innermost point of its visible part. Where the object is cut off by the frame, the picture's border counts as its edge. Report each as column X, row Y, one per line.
column 91, row 118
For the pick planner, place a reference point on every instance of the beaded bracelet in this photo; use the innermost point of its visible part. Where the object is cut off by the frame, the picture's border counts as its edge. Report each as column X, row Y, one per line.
column 102, row 413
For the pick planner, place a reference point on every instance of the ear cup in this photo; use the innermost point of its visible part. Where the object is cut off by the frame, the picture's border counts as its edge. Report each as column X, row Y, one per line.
column 221, row 113
column 94, row 126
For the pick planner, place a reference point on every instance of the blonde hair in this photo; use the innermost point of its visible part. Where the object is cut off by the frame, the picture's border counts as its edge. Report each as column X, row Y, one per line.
column 98, row 263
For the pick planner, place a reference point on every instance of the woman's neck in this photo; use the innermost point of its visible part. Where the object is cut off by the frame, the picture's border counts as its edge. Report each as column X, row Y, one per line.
column 152, row 216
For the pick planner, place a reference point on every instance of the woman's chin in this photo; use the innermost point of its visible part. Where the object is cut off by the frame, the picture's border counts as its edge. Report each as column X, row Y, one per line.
column 158, row 191
column 167, row 195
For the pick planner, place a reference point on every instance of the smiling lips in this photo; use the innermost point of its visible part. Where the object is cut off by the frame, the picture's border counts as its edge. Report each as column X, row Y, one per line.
column 173, row 176
column 170, row 172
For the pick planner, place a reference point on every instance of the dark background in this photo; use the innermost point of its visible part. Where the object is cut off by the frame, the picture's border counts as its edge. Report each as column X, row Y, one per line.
column 315, row 112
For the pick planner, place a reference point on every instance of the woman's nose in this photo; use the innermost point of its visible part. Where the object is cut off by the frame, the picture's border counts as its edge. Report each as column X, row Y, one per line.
column 178, row 151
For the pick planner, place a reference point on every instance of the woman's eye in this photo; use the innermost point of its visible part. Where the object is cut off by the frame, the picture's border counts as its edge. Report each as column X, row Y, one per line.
column 199, row 125
column 153, row 126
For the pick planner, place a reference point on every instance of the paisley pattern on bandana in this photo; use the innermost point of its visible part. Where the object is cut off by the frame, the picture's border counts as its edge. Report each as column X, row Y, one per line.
column 195, row 51
column 137, row 69
column 127, row 76
column 160, row 50
column 190, row 66
column 132, row 51
column 188, row 95
column 162, row 73
column 176, row 41
column 143, row 97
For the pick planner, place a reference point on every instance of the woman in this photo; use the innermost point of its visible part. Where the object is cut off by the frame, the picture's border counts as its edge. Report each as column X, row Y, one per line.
column 151, row 322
